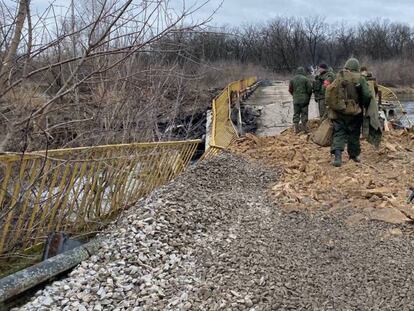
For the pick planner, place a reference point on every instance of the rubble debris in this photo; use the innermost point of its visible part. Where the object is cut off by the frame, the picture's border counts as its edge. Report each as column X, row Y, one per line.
column 250, row 116
column 149, row 259
column 310, row 181
column 213, row 240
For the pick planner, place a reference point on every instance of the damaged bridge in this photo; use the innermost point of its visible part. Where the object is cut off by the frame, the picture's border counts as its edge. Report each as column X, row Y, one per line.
column 261, row 223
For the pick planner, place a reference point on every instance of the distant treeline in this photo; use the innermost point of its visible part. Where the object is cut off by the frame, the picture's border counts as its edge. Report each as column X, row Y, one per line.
column 285, row 43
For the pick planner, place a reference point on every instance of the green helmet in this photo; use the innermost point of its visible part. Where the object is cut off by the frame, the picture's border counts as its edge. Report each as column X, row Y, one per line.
column 352, row 64
column 300, row 71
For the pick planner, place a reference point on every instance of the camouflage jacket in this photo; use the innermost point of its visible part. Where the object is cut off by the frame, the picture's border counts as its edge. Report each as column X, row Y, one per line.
column 320, row 84
column 301, row 89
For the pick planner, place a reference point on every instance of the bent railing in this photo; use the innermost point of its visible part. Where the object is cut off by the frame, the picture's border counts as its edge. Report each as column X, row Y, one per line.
column 223, row 131
column 77, row 190
column 391, row 104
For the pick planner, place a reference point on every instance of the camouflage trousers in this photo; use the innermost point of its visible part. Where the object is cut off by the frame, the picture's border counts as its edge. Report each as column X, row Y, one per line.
column 322, row 108
column 300, row 113
column 347, row 131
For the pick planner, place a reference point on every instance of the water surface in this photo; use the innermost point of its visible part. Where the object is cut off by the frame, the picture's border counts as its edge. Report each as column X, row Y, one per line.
column 409, row 107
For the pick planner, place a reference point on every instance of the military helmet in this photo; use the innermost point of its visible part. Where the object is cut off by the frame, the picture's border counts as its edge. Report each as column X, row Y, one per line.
column 300, row 71
column 352, row 64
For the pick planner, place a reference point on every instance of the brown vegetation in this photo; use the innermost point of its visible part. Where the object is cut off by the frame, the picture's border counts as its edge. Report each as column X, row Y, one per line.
column 119, row 71
column 93, row 75
column 394, row 72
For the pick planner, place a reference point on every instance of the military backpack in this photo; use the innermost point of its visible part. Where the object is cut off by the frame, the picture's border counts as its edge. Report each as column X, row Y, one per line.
column 343, row 94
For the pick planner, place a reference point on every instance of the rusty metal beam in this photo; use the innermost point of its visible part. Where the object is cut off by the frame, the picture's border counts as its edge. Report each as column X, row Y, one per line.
column 26, row 279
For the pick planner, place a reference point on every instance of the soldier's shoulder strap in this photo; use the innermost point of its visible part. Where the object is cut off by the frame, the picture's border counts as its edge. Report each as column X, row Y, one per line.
column 354, row 77
column 331, row 75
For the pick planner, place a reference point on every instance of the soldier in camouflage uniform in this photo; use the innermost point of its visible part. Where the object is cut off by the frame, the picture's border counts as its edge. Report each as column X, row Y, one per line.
column 372, row 81
column 322, row 80
column 301, row 89
column 347, row 128
column 372, row 125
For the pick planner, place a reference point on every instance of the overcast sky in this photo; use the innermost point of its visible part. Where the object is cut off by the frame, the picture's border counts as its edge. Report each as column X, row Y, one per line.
column 237, row 12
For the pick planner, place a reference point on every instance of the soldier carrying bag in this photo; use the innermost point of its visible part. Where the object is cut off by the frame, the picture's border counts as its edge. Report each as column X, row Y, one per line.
column 343, row 94
column 323, row 135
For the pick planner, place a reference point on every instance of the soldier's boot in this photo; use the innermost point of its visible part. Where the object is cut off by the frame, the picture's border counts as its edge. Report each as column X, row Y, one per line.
column 297, row 128
column 305, row 127
column 356, row 159
column 337, row 162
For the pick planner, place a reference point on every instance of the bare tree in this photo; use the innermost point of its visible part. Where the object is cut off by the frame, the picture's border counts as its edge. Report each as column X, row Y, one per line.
column 94, row 43
column 315, row 33
column 11, row 51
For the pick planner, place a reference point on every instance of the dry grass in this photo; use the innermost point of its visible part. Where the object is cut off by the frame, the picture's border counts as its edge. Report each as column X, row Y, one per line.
column 219, row 74
column 136, row 109
column 393, row 73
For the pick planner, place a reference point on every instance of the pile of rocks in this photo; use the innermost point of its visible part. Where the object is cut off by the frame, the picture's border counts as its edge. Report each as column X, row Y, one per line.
column 212, row 240
column 149, row 258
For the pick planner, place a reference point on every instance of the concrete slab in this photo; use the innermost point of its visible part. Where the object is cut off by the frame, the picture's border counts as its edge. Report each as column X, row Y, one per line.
column 276, row 105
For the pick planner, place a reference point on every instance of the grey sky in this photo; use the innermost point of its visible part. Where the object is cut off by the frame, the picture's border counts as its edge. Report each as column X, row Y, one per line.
column 237, row 12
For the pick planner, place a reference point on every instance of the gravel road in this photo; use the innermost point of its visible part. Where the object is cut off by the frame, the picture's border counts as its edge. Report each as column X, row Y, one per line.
column 213, row 240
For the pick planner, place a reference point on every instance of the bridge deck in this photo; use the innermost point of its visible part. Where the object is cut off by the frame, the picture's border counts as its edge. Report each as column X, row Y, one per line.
column 276, row 105
column 233, row 234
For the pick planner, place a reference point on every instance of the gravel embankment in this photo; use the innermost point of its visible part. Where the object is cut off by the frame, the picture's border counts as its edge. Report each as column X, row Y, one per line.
column 212, row 240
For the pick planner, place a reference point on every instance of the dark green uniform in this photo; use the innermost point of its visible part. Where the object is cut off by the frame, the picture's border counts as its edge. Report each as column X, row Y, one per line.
column 319, row 88
column 347, row 128
column 372, row 126
column 301, row 89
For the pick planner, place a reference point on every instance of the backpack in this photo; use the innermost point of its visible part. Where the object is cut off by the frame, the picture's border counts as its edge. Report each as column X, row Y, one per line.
column 343, row 94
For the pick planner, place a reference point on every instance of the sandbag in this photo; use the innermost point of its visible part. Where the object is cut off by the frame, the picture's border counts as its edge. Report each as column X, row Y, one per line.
column 323, row 134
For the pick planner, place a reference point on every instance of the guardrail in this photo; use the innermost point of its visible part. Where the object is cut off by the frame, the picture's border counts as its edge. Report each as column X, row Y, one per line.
column 223, row 131
column 77, row 190
column 390, row 102
column 387, row 94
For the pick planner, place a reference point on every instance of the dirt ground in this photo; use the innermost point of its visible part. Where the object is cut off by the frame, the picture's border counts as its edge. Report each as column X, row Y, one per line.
column 214, row 239
column 379, row 185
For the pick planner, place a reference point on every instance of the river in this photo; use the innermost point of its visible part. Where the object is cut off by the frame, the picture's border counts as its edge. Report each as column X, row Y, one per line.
column 409, row 106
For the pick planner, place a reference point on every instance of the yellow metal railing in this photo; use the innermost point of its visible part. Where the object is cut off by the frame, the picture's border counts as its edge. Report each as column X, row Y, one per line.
column 387, row 95
column 391, row 101
column 77, row 190
column 223, row 131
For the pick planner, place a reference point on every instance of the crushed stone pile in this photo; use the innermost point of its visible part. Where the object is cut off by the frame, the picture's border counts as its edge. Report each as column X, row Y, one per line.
column 149, row 259
column 380, row 184
column 213, row 240
column 301, row 260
